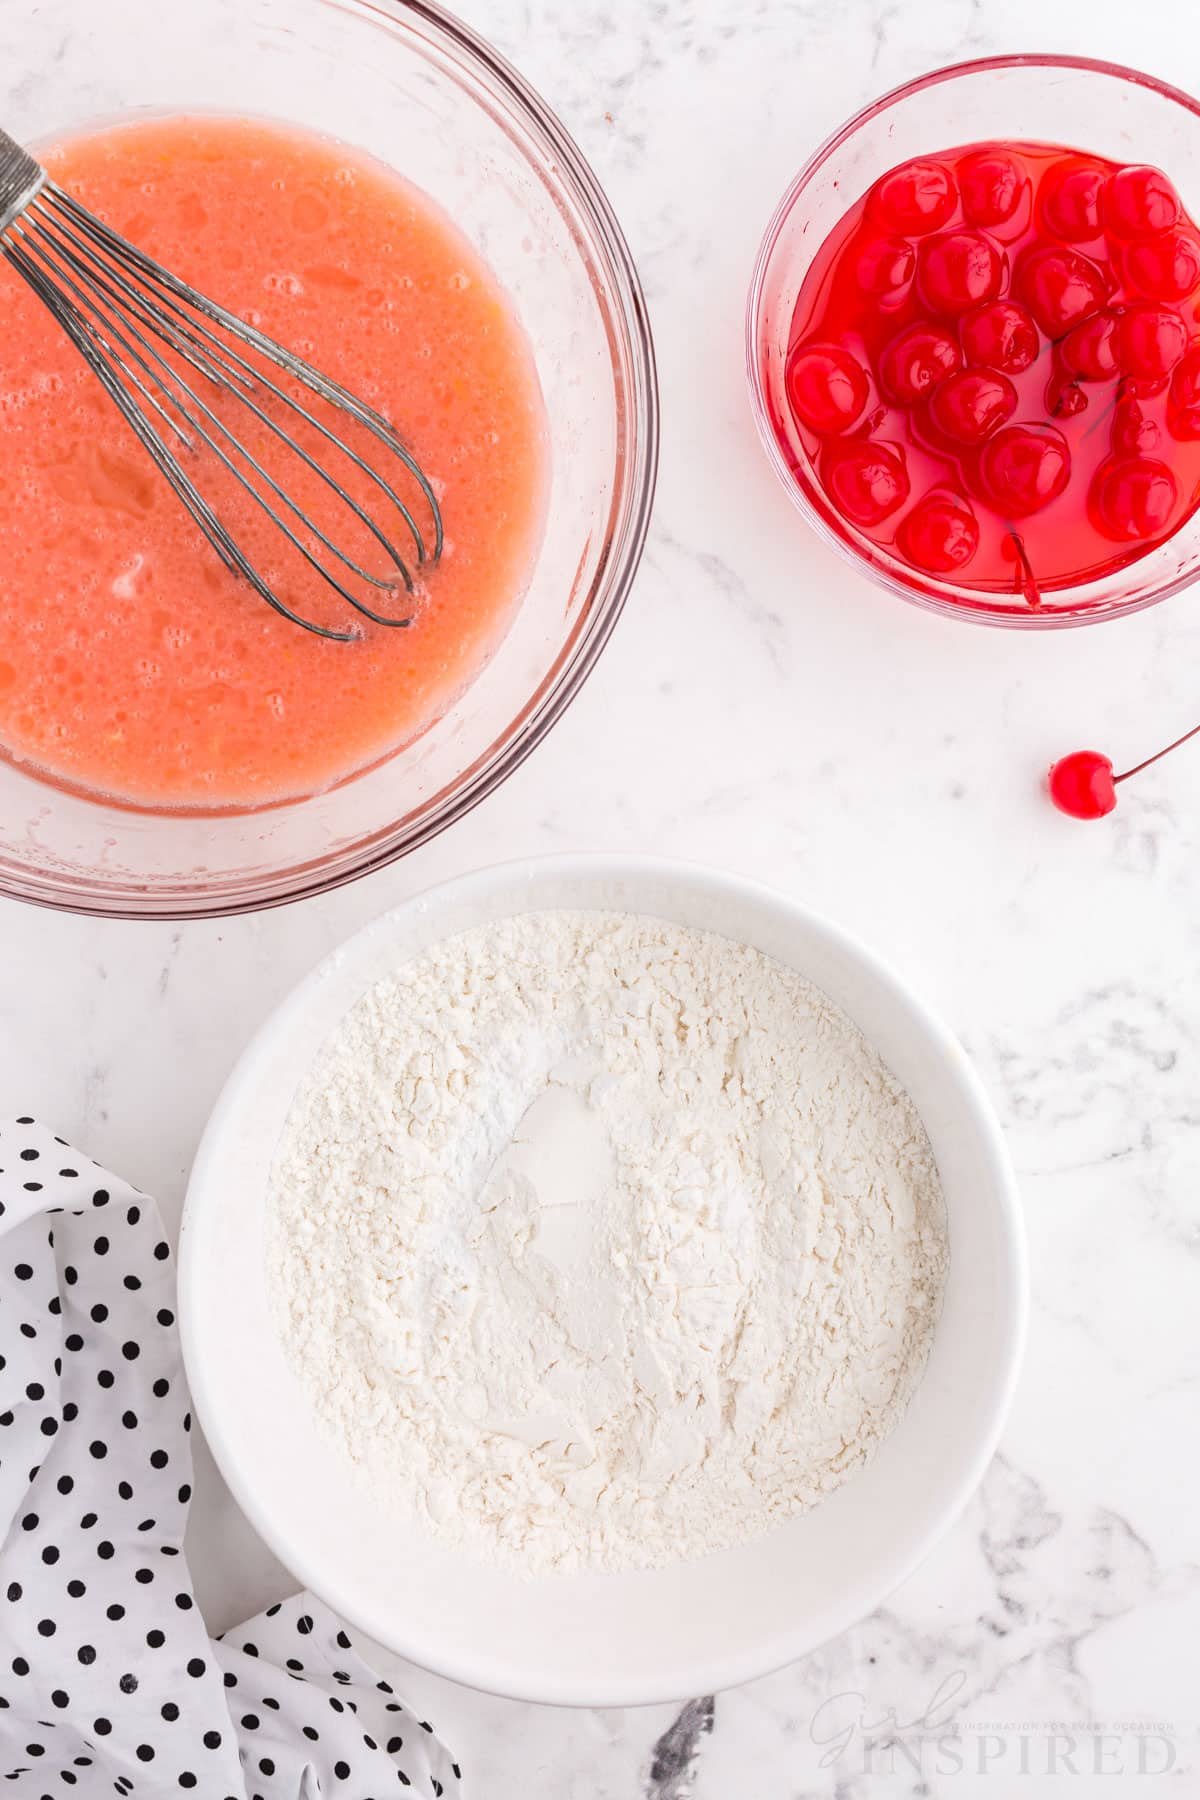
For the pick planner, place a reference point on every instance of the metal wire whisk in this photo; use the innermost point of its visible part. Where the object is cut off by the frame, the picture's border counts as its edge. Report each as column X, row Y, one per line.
column 122, row 310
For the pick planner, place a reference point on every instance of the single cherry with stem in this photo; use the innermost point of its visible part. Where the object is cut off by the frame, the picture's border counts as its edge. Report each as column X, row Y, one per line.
column 1084, row 786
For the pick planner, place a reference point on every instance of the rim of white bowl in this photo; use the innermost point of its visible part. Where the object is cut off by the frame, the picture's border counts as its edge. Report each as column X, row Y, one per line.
column 712, row 1672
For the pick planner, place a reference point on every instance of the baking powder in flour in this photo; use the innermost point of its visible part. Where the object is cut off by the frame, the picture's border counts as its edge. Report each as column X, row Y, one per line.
column 601, row 1242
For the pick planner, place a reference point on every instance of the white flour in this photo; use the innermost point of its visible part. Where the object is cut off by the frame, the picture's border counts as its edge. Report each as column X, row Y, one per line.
column 599, row 1242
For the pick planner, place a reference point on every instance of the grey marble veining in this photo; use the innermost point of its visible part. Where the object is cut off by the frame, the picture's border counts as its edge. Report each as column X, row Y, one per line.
column 780, row 717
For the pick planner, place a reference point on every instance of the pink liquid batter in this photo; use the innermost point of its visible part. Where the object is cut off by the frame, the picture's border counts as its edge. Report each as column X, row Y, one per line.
column 132, row 663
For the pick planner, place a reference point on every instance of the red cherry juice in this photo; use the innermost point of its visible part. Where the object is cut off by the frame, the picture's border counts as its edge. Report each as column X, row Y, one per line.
column 994, row 366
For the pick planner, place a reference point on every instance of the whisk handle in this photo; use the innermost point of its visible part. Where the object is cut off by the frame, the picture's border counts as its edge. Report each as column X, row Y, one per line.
column 22, row 179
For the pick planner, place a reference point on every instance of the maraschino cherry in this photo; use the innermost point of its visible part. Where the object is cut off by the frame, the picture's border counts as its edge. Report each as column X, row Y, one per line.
column 993, row 370
column 1084, row 786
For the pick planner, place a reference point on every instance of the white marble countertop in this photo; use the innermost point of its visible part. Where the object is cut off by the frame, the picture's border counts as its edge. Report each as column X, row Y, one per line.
column 779, row 716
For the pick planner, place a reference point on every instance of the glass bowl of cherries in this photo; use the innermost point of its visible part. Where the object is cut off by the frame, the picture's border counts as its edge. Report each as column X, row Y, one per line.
column 974, row 340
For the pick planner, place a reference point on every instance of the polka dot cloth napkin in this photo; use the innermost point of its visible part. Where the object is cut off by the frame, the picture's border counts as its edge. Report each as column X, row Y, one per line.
column 108, row 1680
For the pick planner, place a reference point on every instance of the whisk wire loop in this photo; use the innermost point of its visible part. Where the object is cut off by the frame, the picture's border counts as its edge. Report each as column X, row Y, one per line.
column 195, row 412
column 122, row 311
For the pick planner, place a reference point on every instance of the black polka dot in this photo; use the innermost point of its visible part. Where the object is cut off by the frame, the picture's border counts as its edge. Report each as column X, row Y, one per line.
column 304, row 1624
column 170, row 1712
column 29, row 1156
column 99, row 1312
column 86, row 1654
column 20, row 1666
column 73, row 1341
column 76, row 1589
column 115, row 1611
column 311, row 1732
column 29, row 1522
column 60, row 1699
column 87, row 1521
column 98, row 1448
column 394, row 1744
column 212, row 1740
column 196, row 1668
column 70, row 1174
column 162, row 1251
column 70, row 1411
column 293, row 1664
column 102, row 1727
column 28, row 1331
column 187, row 1779
column 133, row 1215
column 144, row 1753
column 272, row 1703
column 100, row 1197
column 32, row 1187
column 131, row 1351
column 14, row 1590
column 105, row 1551
column 106, row 1378
column 132, row 1283
column 35, row 1391
column 144, row 1576
column 6, row 1418
column 129, row 1420
column 249, row 1722
column 23, row 1272
column 165, row 1316
column 155, row 1639
column 266, row 1765
column 46, row 1628
column 229, row 1678
column 146, row 1525
column 101, row 1246
column 161, row 1387
column 48, row 1427
column 184, row 1602
column 159, row 1459
column 125, row 1490
column 128, row 1684
column 342, row 1770
column 50, row 1555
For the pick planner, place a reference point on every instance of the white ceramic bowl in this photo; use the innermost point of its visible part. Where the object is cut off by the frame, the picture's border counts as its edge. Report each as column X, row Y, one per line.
column 597, row 1640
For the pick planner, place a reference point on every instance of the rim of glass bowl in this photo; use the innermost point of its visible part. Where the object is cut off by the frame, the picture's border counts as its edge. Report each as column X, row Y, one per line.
column 614, row 276
column 935, row 596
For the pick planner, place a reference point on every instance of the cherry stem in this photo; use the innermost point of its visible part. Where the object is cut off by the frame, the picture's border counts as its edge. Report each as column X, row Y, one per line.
column 1026, row 580
column 1157, row 757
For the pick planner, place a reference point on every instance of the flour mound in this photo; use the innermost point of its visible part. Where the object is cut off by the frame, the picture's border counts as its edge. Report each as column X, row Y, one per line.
column 598, row 1242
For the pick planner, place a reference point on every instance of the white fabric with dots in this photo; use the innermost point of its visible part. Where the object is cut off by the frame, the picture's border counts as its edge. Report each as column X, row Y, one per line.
column 108, row 1679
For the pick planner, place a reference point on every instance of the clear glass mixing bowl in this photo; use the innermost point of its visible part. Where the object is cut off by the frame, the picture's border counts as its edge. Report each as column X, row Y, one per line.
column 1067, row 100
column 415, row 88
